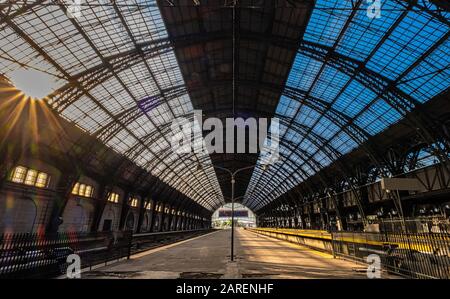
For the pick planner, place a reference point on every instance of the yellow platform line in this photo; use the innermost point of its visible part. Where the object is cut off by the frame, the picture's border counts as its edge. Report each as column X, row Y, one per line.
column 413, row 244
column 300, row 246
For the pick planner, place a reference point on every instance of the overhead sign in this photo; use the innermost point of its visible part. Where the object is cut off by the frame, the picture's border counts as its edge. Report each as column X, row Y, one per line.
column 401, row 184
column 237, row 213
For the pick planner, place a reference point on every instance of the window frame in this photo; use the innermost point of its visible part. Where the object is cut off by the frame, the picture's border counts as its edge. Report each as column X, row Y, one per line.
column 81, row 189
column 113, row 197
column 30, row 177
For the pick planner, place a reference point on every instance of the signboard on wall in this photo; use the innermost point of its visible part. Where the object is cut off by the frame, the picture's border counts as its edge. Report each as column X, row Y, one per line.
column 237, row 213
column 400, row 184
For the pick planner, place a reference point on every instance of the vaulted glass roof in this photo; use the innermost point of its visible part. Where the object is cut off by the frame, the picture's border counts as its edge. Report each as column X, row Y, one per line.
column 116, row 77
column 348, row 75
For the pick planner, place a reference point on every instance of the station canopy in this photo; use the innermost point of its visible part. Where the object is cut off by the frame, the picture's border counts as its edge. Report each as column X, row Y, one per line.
column 119, row 73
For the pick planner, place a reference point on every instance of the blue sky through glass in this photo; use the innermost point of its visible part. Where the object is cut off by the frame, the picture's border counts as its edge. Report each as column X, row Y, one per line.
column 409, row 49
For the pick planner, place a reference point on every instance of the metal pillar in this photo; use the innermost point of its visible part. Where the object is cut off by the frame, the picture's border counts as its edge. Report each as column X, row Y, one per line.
column 232, row 217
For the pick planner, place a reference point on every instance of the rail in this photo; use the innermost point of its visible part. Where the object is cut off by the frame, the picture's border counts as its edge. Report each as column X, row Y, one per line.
column 146, row 241
column 25, row 255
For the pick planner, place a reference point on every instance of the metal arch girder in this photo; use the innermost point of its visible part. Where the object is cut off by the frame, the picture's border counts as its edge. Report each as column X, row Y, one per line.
column 199, row 183
column 163, row 193
column 424, row 5
column 338, row 118
column 126, row 117
column 61, row 98
column 445, row 6
column 258, row 203
column 349, row 66
column 357, row 195
column 201, row 197
column 201, row 200
column 345, row 123
column 341, row 120
column 189, row 162
column 26, row 6
column 324, row 104
column 318, row 141
column 138, row 50
column 248, row 35
column 143, row 58
column 136, row 150
column 384, row 88
column 288, row 145
column 45, row 56
column 147, row 139
column 98, row 74
column 321, row 144
column 323, row 182
column 263, row 202
column 145, row 174
column 318, row 53
column 355, row 68
column 184, row 183
column 178, row 164
column 282, row 180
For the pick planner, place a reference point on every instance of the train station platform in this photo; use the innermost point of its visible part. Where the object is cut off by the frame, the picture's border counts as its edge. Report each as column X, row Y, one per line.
column 207, row 256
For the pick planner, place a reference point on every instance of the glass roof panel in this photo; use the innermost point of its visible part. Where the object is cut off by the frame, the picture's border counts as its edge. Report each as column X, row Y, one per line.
column 58, row 37
column 430, row 76
column 415, row 34
column 146, row 22
column 327, row 21
column 354, row 98
column 104, row 29
column 130, row 94
column 287, row 107
column 304, row 70
column 363, row 33
column 331, row 83
column 409, row 46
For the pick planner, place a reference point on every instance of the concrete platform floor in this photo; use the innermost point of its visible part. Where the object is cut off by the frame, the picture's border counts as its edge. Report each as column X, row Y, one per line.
column 208, row 256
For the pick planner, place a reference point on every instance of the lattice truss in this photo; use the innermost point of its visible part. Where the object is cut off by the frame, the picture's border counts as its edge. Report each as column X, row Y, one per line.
column 117, row 78
column 353, row 77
